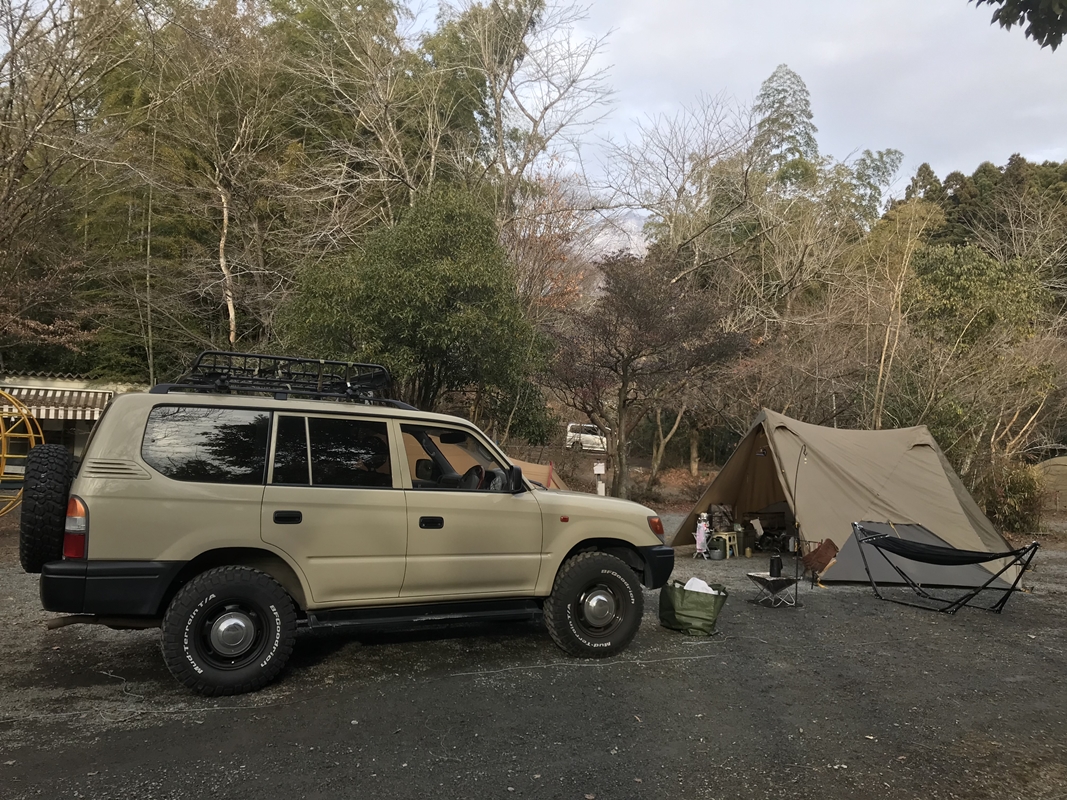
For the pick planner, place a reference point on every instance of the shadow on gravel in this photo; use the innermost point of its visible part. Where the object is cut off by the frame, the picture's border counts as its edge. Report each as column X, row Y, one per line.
column 314, row 647
column 82, row 659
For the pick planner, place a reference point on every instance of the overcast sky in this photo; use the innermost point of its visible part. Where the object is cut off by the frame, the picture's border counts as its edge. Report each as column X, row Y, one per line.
column 931, row 78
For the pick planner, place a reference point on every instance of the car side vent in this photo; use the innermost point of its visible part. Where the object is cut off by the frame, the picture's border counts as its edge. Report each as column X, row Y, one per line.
column 112, row 468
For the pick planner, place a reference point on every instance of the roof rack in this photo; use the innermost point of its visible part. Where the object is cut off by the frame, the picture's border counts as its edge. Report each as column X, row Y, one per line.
column 221, row 372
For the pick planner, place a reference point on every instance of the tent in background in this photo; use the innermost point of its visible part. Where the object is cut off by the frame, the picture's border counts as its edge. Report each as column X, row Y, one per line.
column 1055, row 473
column 544, row 474
column 829, row 478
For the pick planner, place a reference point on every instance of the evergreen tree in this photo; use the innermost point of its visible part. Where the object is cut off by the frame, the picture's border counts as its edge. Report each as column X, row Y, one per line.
column 431, row 297
column 785, row 135
column 926, row 186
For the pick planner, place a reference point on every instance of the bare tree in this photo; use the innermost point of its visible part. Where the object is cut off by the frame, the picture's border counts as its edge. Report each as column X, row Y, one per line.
column 541, row 87
column 54, row 56
column 1031, row 226
column 382, row 121
column 632, row 349
column 892, row 246
column 551, row 240
column 690, row 175
column 222, row 118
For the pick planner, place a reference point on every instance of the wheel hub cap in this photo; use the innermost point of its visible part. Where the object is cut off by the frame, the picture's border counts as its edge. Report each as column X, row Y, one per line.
column 598, row 608
column 232, row 633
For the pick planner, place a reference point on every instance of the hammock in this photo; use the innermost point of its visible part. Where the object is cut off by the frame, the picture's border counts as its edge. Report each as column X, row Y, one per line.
column 940, row 556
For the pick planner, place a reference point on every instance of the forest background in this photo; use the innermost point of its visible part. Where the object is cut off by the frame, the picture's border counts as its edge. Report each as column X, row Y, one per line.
column 327, row 178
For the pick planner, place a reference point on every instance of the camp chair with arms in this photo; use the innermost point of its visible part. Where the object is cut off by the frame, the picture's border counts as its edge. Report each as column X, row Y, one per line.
column 818, row 557
column 885, row 543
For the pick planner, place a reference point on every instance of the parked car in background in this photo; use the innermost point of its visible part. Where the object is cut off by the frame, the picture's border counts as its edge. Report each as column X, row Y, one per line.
column 586, row 437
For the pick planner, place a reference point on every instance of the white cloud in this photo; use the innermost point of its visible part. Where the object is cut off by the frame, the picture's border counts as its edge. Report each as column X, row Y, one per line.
column 931, row 78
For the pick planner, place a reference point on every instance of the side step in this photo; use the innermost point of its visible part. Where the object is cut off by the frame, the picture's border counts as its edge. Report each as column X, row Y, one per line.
column 380, row 616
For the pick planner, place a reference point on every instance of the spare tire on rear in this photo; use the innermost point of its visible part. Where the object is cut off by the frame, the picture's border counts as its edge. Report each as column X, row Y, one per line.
column 44, row 505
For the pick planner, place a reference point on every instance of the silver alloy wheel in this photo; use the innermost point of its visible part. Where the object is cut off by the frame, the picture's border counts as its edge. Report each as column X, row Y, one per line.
column 232, row 634
column 599, row 606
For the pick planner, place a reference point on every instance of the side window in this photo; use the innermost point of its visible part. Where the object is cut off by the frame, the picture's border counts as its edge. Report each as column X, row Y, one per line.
column 451, row 458
column 207, row 445
column 343, row 452
column 349, row 452
column 291, row 452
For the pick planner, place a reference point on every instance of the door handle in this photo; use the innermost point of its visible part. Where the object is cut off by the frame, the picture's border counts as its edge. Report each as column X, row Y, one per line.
column 288, row 517
column 431, row 522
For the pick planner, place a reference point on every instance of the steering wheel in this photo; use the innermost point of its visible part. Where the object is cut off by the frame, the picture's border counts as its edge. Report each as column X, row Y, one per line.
column 472, row 478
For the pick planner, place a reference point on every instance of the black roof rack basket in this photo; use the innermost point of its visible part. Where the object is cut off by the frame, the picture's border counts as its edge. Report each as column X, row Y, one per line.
column 223, row 372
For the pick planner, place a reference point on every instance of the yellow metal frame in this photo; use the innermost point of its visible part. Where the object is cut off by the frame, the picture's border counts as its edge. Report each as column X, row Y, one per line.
column 20, row 426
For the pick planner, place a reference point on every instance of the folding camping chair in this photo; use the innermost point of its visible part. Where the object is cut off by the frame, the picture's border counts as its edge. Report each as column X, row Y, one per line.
column 820, row 556
column 923, row 553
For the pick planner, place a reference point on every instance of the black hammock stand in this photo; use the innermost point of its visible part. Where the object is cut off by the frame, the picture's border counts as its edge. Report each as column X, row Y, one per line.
column 941, row 556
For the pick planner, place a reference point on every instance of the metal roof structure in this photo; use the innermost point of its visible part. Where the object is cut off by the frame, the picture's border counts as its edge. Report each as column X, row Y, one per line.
column 63, row 404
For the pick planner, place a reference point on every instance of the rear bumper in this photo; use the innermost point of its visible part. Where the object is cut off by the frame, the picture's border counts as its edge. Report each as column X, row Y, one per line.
column 659, row 563
column 119, row 588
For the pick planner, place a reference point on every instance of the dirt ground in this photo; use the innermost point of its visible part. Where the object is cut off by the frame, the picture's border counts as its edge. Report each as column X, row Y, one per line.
column 842, row 696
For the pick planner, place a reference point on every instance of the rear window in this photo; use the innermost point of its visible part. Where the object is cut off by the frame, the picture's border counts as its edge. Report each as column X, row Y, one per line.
column 207, row 445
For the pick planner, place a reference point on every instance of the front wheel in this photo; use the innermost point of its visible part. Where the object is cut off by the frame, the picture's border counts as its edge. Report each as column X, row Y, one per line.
column 595, row 607
column 229, row 630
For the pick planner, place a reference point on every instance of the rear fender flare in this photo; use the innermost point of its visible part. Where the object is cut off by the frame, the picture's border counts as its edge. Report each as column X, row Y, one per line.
column 263, row 560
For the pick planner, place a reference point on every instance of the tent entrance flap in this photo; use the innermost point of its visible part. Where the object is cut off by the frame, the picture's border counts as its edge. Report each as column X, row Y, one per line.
column 761, row 486
column 747, row 484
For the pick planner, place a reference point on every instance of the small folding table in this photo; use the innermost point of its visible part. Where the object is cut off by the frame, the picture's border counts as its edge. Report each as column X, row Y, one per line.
column 774, row 589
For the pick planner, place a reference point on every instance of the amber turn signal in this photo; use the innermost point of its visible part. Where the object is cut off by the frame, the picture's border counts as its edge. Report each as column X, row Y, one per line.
column 656, row 525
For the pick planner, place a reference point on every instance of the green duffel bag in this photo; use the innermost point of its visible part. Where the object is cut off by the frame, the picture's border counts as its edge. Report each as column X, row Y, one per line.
column 693, row 613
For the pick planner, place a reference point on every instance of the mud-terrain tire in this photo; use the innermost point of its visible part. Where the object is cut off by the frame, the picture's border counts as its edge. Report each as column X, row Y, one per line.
column 229, row 630
column 46, row 484
column 595, row 607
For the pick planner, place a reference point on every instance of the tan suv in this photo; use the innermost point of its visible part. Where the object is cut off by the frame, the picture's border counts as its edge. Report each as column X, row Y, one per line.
column 262, row 494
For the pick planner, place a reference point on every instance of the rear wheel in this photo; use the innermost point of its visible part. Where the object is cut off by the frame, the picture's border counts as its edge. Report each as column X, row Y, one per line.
column 46, row 484
column 229, row 630
column 595, row 607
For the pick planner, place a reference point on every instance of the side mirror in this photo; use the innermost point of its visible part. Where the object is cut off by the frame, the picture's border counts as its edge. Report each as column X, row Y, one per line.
column 515, row 483
column 424, row 469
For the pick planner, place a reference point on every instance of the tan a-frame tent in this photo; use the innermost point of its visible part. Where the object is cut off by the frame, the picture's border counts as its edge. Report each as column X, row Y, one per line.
column 831, row 477
column 544, row 474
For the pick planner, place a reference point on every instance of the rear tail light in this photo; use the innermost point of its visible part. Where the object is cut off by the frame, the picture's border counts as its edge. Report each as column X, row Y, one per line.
column 76, row 529
column 656, row 525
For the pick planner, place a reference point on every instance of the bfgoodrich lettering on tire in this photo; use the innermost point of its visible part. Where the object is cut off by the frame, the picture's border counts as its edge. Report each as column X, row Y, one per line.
column 595, row 607
column 229, row 630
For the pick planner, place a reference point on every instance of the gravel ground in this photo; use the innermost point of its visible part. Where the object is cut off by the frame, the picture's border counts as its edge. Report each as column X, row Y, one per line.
column 843, row 696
